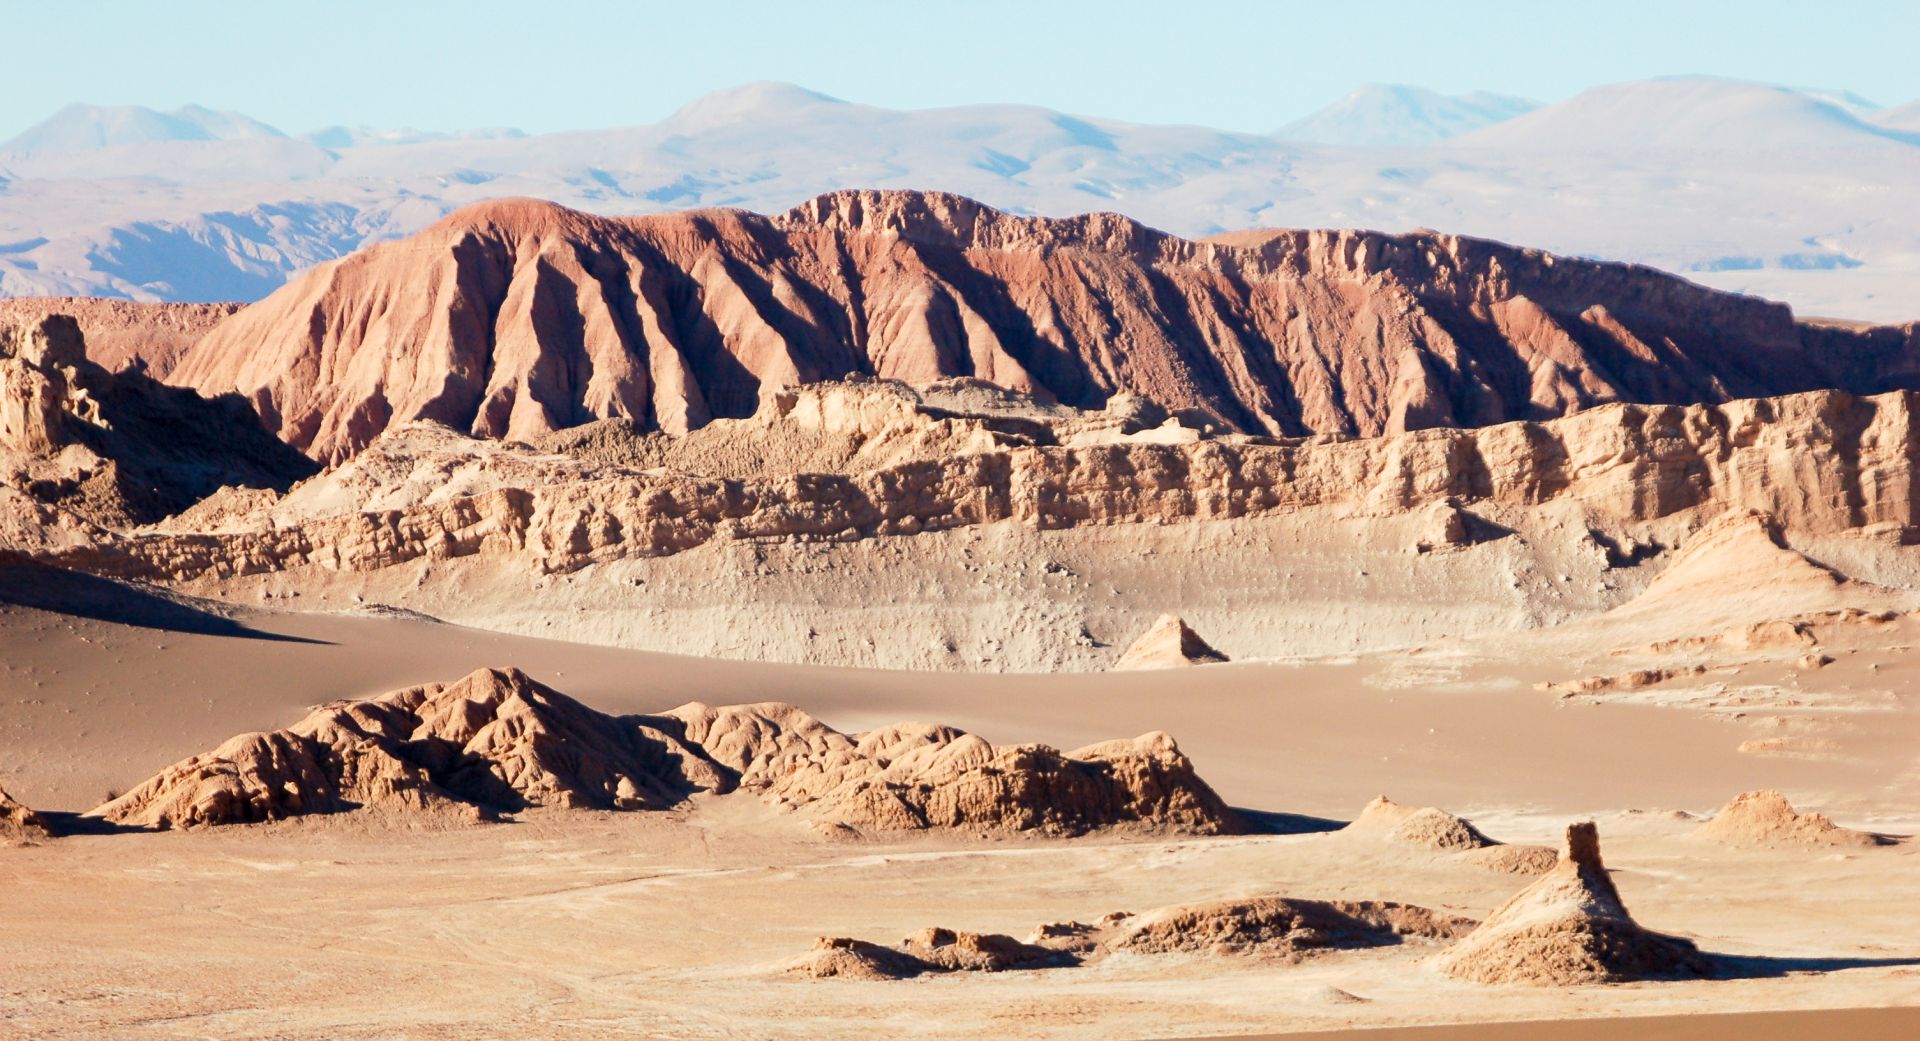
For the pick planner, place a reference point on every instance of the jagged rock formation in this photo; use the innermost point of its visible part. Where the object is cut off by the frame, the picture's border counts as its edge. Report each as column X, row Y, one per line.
column 494, row 739
column 1624, row 464
column 1434, row 830
column 18, row 825
column 1766, row 818
column 1259, row 927
column 122, row 334
column 917, row 775
column 498, row 741
column 1567, row 928
column 37, row 385
column 118, row 449
column 518, row 318
column 1168, row 643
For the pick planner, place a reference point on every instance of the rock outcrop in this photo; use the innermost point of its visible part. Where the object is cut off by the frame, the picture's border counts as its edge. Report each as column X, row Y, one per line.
column 1434, row 830
column 19, row 826
column 1168, row 643
column 119, row 448
column 918, row 775
column 39, row 386
column 1569, row 927
column 1766, row 818
column 496, row 741
column 517, row 318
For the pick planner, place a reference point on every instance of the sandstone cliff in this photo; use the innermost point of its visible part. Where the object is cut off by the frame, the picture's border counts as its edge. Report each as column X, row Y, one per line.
column 514, row 319
column 1816, row 463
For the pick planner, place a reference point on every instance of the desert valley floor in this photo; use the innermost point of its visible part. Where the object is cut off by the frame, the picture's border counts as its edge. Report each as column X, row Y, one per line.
column 685, row 923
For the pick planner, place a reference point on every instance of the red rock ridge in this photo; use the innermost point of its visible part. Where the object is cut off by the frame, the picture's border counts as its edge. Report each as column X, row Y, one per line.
column 516, row 318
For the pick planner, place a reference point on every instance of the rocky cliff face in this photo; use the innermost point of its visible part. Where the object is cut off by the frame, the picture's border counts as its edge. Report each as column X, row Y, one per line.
column 516, row 319
column 118, row 448
column 1818, row 463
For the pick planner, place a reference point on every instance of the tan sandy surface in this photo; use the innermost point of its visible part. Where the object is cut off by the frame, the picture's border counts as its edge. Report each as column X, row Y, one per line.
column 678, row 924
column 1865, row 1024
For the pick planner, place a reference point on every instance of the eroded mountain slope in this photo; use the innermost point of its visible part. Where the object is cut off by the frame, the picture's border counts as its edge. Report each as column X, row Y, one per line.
column 514, row 319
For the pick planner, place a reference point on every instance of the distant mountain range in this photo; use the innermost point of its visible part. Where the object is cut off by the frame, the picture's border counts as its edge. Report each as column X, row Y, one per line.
column 1808, row 196
column 1386, row 115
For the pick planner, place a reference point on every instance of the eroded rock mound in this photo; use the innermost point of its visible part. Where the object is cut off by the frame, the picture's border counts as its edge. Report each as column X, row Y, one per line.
column 1282, row 927
column 931, row 950
column 1260, row 927
column 19, row 826
column 1569, row 927
column 918, row 775
column 496, row 741
column 1168, row 643
column 1766, row 818
column 1435, row 830
column 1741, row 549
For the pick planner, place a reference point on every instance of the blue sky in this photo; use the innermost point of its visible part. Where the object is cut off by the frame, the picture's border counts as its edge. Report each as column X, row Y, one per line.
column 1240, row 65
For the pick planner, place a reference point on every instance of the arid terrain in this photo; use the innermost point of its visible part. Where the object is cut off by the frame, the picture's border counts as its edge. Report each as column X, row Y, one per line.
column 902, row 613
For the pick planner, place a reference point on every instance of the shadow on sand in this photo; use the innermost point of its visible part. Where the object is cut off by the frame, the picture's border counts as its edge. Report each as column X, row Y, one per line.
column 1759, row 967
column 62, row 823
column 85, row 596
column 1269, row 822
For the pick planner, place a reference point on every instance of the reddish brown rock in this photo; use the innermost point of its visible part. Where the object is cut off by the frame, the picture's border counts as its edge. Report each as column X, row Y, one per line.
column 515, row 318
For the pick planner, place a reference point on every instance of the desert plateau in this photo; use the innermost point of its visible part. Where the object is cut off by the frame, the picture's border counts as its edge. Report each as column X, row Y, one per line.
column 527, row 607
